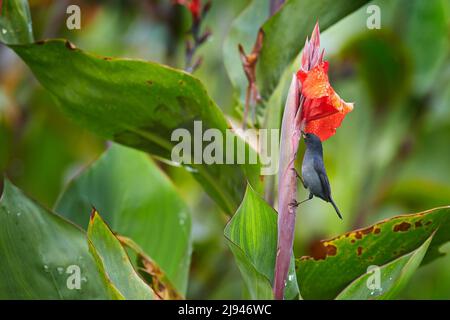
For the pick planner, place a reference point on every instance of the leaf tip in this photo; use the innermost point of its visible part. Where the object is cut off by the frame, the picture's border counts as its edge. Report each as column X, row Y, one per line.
column 94, row 213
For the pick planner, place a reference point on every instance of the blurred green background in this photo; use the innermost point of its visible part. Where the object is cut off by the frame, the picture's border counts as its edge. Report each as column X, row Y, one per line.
column 391, row 155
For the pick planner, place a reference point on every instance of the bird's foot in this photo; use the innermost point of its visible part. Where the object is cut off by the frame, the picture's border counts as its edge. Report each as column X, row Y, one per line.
column 294, row 203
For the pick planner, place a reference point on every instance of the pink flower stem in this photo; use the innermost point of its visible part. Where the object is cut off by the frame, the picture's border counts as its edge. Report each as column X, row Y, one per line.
column 287, row 188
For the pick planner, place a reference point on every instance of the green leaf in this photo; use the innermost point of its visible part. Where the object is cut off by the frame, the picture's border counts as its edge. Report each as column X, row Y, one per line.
column 15, row 22
column 113, row 260
column 38, row 250
column 286, row 32
column 337, row 262
column 252, row 236
column 393, row 277
column 138, row 201
column 138, row 104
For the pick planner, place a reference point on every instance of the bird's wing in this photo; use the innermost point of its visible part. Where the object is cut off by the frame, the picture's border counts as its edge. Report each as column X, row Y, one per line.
column 320, row 169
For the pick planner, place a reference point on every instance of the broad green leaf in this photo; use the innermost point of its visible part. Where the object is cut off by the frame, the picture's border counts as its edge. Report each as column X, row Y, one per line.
column 41, row 254
column 337, row 262
column 252, row 235
column 257, row 286
column 138, row 104
column 113, row 260
column 138, row 201
column 393, row 276
column 286, row 32
column 15, row 22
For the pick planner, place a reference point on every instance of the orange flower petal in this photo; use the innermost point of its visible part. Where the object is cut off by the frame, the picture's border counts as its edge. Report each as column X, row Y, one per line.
column 323, row 110
column 325, row 127
column 314, row 109
column 315, row 83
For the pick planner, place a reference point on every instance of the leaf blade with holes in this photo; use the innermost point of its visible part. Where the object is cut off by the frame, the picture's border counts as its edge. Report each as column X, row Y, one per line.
column 393, row 276
column 339, row 261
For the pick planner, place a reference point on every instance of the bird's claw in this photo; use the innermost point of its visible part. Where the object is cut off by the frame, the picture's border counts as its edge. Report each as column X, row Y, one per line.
column 294, row 203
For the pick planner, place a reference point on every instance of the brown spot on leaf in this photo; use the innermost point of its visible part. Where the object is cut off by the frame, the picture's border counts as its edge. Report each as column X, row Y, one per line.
column 180, row 82
column 428, row 223
column 418, row 224
column 402, row 227
column 150, row 82
column 359, row 251
column 367, row 230
column 377, row 231
column 107, row 58
column 70, row 45
column 352, row 241
column 358, row 235
column 320, row 250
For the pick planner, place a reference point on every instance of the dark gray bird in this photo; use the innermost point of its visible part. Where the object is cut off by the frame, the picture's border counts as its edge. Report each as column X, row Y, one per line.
column 314, row 176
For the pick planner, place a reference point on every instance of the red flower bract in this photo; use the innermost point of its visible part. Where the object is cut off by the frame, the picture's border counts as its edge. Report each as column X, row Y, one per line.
column 322, row 110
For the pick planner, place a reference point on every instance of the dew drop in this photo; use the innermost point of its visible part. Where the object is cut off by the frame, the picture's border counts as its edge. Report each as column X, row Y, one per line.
column 4, row 31
column 190, row 169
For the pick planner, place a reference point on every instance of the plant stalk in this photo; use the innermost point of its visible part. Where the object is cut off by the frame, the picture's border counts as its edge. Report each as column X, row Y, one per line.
column 287, row 189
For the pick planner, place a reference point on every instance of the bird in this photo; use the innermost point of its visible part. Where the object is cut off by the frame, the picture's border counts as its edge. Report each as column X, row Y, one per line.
column 314, row 177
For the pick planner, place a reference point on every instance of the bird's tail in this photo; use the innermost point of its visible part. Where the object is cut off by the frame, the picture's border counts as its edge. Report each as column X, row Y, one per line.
column 336, row 208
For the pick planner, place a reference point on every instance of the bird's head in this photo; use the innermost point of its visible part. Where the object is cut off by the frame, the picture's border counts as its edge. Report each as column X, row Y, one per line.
column 312, row 140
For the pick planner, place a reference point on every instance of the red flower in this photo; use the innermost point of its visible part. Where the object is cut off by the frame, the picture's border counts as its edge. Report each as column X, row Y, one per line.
column 322, row 110
column 194, row 6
